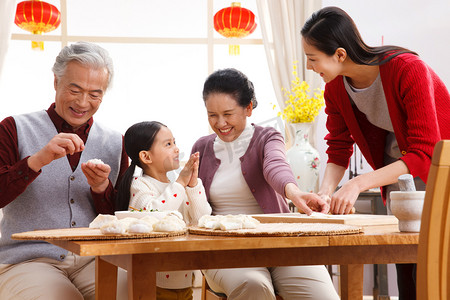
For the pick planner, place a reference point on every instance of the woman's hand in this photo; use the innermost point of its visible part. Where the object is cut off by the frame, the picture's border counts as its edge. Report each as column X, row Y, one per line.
column 343, row 200
column 306, row 202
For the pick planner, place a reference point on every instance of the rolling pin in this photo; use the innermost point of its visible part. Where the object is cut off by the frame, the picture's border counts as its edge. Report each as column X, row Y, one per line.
column 406, row 183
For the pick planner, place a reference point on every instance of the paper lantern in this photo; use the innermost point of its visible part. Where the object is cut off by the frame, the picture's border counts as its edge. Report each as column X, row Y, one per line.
column 37, row 17
column 234, row 22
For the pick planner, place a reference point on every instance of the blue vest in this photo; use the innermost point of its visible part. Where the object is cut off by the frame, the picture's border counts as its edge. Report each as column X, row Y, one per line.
column 58, row 197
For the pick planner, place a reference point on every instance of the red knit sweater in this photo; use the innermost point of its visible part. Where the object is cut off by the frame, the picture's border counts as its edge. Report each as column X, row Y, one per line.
column 419, row 108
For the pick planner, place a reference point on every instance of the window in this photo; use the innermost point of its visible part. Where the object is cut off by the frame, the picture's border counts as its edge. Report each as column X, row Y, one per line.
column 162, row 51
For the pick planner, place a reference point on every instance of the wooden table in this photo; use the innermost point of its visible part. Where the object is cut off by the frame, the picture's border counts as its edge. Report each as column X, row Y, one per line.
column 142, row 258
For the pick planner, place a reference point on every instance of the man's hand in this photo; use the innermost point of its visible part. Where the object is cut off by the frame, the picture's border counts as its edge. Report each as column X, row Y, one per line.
column 59, row 146
column 97, row 176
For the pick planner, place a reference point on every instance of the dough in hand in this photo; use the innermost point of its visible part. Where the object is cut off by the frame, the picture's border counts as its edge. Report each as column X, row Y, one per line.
column 95, row 161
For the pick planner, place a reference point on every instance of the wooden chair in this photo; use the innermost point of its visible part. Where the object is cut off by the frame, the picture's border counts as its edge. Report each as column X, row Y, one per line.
column 208, row 294
column 433, row 267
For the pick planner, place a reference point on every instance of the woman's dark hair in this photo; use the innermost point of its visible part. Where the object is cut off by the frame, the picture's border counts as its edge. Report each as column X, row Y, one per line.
column 139, row 137
column 331, row 28
column 233, row 82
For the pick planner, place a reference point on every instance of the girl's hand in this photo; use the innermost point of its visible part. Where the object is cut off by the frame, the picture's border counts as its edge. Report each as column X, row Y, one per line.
column 193, row 181
column 186, row 173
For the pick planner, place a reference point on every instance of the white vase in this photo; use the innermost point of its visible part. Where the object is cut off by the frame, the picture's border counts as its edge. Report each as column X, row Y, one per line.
column 303, row 158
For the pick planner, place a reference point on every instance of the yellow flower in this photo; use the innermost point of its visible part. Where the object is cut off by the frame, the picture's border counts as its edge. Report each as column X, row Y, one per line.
column 301, row 107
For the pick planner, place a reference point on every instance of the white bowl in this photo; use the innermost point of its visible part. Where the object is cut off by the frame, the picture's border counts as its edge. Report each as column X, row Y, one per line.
column 140, row 214
column 407, row 207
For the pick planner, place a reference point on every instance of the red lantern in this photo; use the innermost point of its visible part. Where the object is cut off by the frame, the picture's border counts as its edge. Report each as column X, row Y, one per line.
column 37, row 17
column 234, row 22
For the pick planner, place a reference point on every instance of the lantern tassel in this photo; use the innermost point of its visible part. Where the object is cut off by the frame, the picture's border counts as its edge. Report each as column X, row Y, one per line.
column 234, row 50
column 38, row 46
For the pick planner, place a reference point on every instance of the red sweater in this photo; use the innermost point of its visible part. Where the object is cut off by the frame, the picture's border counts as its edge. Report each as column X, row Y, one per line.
column 419, row 108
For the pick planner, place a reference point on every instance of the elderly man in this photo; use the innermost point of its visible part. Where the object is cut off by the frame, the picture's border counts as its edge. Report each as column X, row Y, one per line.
column 47, row 182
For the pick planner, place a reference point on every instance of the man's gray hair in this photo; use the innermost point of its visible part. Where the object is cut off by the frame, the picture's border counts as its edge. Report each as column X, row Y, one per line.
column 87, row 54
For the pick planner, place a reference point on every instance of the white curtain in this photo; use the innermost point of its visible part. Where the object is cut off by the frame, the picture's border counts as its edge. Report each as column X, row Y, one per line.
column 7, row 12
column 281, row 22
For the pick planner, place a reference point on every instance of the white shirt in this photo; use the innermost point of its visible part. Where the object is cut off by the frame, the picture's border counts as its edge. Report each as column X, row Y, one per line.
column 372, row 102
column 229, row 192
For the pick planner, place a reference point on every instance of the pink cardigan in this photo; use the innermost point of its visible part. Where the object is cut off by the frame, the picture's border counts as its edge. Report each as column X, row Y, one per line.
column 263, row 165
column 419, row 108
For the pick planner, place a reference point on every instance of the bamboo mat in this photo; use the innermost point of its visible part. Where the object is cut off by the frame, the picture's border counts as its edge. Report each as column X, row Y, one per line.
column 283, row 229
column 87, row 234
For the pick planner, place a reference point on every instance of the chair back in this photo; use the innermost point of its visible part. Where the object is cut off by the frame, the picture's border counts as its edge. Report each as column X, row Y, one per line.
column 433, row 267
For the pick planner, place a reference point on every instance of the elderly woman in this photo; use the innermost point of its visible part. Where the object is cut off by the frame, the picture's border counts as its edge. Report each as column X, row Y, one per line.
column 244, row 171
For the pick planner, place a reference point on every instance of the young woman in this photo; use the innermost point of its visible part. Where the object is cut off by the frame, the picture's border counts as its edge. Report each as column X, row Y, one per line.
column 386, row 100
column 151, row 146
column 244, row 171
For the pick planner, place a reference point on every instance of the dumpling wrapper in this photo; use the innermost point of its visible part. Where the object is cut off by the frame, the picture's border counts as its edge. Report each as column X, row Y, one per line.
column 230, row 225
column 205, row 218
column 150, row 220
column 114, row 227
column 170, row 223
column 249, row 222
column 140, row 226
column 101, row 220
column 209, row 222
column 228, row 222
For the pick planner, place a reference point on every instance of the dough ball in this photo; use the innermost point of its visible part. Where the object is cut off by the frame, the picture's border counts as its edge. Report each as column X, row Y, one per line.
column 95, row 161
column 101, row 220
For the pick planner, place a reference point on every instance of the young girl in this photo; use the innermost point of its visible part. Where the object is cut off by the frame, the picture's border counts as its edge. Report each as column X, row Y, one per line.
column 151, row 146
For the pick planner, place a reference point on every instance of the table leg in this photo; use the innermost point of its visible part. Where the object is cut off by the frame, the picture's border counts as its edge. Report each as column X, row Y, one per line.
column 105, row 279
column 141, row 279
column 351, row 281
column 381, row 281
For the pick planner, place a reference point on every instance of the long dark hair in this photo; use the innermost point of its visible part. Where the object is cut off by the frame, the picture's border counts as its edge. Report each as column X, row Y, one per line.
column 232, row 82
column 331, row 28
column 139, row 137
